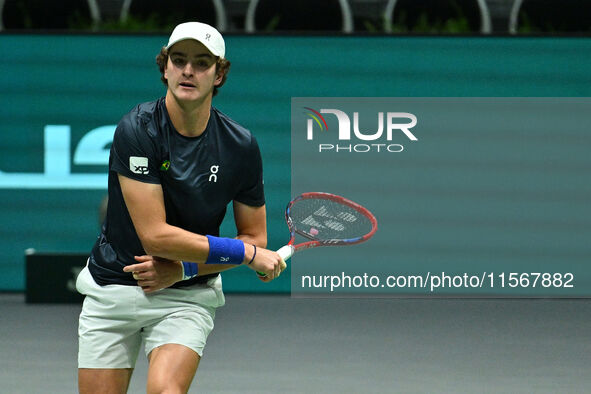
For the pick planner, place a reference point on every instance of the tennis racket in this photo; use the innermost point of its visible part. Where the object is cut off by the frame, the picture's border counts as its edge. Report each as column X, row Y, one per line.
column 325, row 219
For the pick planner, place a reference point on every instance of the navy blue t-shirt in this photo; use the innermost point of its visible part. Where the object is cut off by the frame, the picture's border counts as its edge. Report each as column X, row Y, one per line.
column 199, row 177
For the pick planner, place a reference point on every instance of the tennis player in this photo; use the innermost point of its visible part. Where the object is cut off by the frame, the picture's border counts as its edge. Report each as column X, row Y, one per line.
column 175, row 165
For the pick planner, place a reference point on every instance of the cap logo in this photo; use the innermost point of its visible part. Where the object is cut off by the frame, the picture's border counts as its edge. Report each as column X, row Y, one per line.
column 207, row 36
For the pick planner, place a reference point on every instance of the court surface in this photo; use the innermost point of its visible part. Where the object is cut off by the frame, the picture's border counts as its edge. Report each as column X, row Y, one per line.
column 276, row 344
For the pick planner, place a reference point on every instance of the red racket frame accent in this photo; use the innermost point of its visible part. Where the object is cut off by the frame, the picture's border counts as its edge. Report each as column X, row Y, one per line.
column 331, row 242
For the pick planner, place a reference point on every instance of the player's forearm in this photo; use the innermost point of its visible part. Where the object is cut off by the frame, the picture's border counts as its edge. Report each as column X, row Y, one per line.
column 174, row 243
column 249, row 254
column 257, row 259
column 206, row 269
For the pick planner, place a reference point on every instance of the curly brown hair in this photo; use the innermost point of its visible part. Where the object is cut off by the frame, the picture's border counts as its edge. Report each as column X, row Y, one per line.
column 221, row 65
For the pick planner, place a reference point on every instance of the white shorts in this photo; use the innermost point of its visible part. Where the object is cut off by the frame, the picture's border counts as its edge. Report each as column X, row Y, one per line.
column 116, row 318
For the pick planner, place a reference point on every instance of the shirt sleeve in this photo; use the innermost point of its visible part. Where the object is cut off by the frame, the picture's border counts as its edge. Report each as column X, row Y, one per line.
column 252, row 188
column 134, row 153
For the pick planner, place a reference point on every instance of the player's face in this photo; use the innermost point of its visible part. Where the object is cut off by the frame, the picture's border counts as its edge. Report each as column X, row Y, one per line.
column 190, row 71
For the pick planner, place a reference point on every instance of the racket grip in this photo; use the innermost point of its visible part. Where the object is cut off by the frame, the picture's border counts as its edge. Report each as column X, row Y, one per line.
column 285, row 252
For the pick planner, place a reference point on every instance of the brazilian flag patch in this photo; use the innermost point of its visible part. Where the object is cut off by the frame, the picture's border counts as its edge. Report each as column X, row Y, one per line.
column 165, row 165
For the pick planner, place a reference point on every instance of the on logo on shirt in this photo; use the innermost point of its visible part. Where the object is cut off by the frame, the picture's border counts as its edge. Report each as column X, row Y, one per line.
column 213, row 170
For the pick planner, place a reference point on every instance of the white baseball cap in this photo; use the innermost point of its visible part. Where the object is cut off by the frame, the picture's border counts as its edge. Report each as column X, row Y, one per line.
column 202, row 32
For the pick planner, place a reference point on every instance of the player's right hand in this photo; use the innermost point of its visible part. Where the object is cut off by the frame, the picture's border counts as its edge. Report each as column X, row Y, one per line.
column 266, row 262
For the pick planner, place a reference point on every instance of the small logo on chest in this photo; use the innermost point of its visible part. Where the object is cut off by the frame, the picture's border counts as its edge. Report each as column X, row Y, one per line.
column 213, row 170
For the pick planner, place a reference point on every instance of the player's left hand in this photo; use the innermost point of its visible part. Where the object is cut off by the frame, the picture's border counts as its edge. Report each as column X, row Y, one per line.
column 154, row 273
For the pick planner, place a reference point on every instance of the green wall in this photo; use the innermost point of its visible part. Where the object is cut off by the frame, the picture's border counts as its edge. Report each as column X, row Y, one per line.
column 89, row 81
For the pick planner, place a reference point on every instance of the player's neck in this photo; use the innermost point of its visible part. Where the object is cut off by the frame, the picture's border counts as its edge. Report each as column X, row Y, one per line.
column 189, row 119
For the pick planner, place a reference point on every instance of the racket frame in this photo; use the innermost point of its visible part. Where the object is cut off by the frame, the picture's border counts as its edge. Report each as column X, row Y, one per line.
column 312, row 243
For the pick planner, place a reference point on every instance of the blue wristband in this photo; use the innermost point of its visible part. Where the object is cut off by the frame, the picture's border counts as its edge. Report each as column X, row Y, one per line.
column 190, row 270
column 225, row 251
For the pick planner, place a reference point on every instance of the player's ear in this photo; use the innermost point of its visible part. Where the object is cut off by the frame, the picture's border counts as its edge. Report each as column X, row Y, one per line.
column 166, row 70
column 219, row 77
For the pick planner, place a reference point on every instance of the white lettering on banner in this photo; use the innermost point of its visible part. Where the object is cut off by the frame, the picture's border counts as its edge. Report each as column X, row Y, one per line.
column 344, row 133
column 404, row 127
column 90, row 150
column 344, row 123
column 57, row 172
column 361, row 148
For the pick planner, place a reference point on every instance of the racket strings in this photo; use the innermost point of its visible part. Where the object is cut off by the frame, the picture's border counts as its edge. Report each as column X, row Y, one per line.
column 322, row 219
